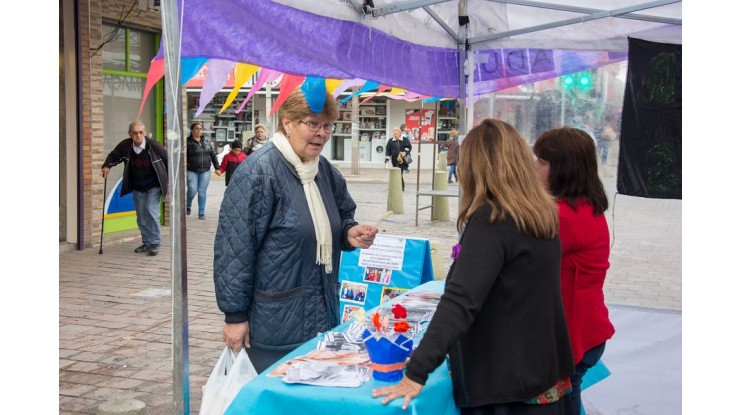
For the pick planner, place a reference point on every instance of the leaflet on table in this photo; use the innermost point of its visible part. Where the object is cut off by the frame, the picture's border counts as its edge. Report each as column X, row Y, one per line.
column 341, row 359
column 326, row 368
column 322, row 374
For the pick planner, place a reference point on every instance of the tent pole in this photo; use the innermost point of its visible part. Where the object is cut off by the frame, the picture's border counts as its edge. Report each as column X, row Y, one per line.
column 178, row 235
column 462, row 48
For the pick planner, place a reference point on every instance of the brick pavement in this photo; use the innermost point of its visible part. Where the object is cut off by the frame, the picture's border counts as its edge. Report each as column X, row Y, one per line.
column 115, row 309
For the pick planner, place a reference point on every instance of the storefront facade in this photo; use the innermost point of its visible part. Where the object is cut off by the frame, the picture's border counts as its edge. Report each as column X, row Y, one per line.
column 104, row 52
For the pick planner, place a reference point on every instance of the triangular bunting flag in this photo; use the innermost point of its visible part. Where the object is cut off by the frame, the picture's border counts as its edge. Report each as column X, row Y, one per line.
column 189, row 67
column 156, row 72
column 332, row 84
column 369, row 86
column 266, row 75
column 345, row 85
column 243, row 72
column 314, row 89
column 218, row 72
column 287, row 85
column 381, row 88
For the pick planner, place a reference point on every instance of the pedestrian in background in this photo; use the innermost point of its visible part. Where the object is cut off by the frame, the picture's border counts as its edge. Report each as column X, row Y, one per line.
column 566, row 163
column 232, row 160
column 406, row 134
column 200, row 156
column 453, row 155
column 258, row 140
column 144, row 174
column 396, row 149
column 500, row 318
column 284, row 220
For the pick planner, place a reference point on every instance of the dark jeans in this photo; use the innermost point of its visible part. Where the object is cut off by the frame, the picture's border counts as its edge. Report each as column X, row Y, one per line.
column 590, row 358
column 453, row 172
column 262, row 359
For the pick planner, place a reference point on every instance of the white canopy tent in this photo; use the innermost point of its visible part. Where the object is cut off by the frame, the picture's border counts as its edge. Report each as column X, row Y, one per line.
column 443, row 35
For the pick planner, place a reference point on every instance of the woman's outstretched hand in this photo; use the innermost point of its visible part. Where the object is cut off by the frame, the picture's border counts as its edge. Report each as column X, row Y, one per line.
column 362, row 236
column 406, row 389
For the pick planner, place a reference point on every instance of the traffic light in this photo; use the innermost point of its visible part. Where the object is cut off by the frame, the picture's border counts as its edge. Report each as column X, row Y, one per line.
column 584, row 80
column 580, row 79
column 568, row 81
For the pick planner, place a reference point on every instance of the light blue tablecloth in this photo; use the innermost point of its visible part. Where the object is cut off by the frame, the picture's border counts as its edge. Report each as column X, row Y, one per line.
column 267, row 395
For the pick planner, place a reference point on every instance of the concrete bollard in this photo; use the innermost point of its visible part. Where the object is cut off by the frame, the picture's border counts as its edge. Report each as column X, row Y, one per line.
column 442, row 161
column 440, row 204
column 437, row 265
column 122, row 407
column 395, row 191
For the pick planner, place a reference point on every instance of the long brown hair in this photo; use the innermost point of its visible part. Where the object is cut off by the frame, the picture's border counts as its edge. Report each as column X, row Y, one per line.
column 574, row 171
column 497, row 168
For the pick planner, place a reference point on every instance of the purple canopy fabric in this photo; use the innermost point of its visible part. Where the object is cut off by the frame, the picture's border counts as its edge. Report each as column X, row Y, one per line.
column 293, row 41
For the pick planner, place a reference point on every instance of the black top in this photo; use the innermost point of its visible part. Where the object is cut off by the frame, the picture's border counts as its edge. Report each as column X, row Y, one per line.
column 396, row 146
column 200, row 155
column 500, row 318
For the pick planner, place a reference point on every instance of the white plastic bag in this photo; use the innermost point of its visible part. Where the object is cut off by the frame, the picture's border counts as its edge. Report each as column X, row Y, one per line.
column 227, row 378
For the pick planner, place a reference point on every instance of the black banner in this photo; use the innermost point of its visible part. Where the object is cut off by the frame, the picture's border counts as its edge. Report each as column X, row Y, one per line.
column 650, row 147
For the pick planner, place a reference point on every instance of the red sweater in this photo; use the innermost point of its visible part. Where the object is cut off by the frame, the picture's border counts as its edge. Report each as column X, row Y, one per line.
column 585, row 241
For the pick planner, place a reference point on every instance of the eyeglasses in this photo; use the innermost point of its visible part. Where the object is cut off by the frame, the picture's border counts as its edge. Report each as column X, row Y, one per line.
column 314, row 126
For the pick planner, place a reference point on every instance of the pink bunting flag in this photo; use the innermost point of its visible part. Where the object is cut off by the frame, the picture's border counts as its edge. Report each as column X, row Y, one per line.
column 156, row 72
column 266, row 75
column 381, row 88
column 218, row 72
column 287, row 85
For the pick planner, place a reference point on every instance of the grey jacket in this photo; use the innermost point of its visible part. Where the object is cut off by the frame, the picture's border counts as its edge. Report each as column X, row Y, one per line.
column 264, row 266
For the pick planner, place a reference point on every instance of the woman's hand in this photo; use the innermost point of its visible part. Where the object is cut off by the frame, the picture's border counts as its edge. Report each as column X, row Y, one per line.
column 361, row 236
column 236, row 335
column 407, row 388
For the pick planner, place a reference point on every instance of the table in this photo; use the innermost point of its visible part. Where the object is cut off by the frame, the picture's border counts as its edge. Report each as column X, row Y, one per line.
column 269, row 395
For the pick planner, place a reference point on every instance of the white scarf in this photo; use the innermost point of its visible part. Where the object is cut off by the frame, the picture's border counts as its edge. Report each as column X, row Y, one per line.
column 307, row 172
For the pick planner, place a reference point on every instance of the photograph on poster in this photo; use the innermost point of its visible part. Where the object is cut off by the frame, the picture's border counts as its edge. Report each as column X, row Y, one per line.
column 353, row 292
column 389, row 293
column 377, row 275
column 348, row 312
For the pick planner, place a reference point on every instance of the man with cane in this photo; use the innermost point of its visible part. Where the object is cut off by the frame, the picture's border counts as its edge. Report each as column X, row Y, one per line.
column 144, row 174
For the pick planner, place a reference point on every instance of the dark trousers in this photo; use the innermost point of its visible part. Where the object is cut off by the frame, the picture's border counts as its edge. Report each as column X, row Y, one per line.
column 561, row 407
column 404, row 168
column 262, row 359
column 590, row 358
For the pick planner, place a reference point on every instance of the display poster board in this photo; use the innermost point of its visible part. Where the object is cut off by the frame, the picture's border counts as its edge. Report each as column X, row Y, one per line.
column 421, row 123
column 390, row 267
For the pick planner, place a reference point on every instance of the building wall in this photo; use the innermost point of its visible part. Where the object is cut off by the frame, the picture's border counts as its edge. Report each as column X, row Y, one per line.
column 62, row 128
column 92, row 15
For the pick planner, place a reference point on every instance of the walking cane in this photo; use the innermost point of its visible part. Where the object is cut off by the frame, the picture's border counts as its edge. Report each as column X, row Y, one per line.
column 102, row 221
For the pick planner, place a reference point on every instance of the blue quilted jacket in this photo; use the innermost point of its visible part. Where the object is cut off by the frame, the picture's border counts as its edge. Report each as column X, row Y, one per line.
column 264, row 266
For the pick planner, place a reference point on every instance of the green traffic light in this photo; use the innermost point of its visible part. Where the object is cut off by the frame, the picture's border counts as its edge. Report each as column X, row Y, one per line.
column 585, row 80
column 568, row 81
